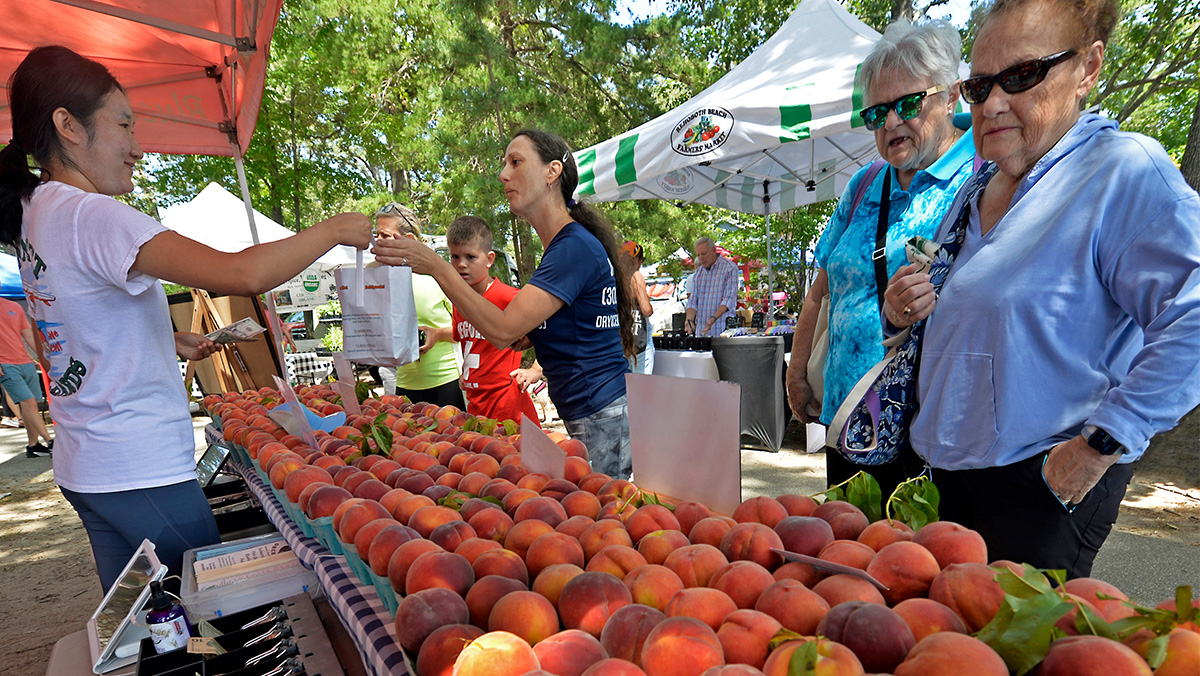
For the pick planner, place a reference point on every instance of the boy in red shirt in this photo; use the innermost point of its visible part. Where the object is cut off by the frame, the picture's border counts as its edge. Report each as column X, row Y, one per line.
column 491, row 390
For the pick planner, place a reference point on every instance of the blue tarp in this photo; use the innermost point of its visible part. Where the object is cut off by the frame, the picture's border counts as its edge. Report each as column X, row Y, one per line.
column 10, row 278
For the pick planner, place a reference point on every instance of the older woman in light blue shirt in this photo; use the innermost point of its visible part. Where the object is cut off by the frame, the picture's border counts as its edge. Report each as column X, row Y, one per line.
column 909, row 79
column 1067, row 332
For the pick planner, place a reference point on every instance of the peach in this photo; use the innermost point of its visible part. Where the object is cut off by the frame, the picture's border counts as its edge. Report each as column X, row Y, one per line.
column 557, row 489
column 927, row 616
column 949, row 654
column 603, row 534
column 833, row 659
column 575, row 525
column 840, row 588
column 877, row 636
column 382, row 468
column 849, row 553
column 906, row 568
column 849, row 525
column 616, row 559
column 1089, row 589
column 1183, row 654
column 533, row 481
column 384, row 544
column 658, row 545
column 552, row 579
column 614, row 667
column 508, row 496
column 767, row 511
column 302, row 477
column 325, row 500
column 419, row 614
column 581, row 503
column 352, row 482
column 680, row 646
column 710, row 606
column 742, row 581
column 551, row 548
column 799, row 571
column 752, row 542
column 652, row 585
column 523, row 533
column 483, row 464
column 689, row 514
column 496, row 653
column 732, row 670
column 406, row 507
column 625, row 633
column 574, row 469
column 594, row 482
column 883, row 532
column 501, row 562
column 745, row 636
column 358, row 516
column 485, row 593
column 417, row 482
column 793, row 605
column 710, row 530
column 306, row 494
column 617, row 489
column 797, row 505
column 569, row 653
column 589, row 599
column 439, row 569
column 472, row 482
column 402, row 559
column 695, row 564
column 617, row 510
column 951, row 543
column 648, row 519
column 490, row 524
column 427, row 518
column 806, row 535
column 283, row 466
column 970, row 590
column 392, row 498
column 450, row 535
column 442, row 647
column 366, row 535
column 471, row 548
column 831, row 508
column 541, row 508
column 524, row 613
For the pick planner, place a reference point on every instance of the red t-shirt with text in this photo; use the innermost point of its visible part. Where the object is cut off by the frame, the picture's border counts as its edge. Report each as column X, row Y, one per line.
column 491, row 391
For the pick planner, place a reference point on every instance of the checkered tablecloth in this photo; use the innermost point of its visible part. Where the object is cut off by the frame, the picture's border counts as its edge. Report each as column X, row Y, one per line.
column 307, row 366
column 358, row 606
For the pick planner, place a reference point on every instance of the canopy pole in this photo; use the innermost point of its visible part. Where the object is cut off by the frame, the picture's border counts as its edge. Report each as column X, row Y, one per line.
column 274, row 325
column 770, row 268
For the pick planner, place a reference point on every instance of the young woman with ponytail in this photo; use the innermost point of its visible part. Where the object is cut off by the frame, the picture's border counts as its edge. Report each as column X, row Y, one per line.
column 124, row 453
column 576, row 309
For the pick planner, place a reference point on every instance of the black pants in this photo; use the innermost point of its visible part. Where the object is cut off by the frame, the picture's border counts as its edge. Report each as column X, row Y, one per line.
column 446, row 394
column 890, row 475
column 1022, row 521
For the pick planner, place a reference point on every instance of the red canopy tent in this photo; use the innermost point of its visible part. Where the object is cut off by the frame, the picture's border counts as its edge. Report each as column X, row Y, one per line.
column 194, row 71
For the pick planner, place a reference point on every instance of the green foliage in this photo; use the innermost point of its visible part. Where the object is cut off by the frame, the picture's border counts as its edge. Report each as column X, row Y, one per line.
column 804, row 660
column 860, row 490
column 376, row 438
column 1023, row 628
column 915, row 502
column 332, row 340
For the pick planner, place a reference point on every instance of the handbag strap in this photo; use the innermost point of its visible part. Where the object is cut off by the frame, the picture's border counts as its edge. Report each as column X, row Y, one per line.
column 880, row 253
column 852, row 400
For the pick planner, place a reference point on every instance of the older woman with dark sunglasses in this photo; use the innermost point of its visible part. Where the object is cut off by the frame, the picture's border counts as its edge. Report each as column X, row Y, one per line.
column 1067, row 330
column 909, row 82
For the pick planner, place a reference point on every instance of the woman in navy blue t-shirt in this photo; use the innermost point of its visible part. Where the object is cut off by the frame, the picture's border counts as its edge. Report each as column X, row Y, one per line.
column 576, row 310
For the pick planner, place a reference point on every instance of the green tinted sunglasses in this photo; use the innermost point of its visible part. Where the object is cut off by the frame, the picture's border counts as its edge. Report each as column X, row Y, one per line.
column 907, row 107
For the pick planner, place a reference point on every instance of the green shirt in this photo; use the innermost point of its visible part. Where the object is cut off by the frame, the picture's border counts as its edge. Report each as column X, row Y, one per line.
column 437, row 366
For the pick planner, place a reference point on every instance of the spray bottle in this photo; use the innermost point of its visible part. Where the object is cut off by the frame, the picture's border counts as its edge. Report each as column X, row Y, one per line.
column 169, row 628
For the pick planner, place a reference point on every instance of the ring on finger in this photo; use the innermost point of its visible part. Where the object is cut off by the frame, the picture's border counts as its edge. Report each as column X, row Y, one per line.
column 907, row 310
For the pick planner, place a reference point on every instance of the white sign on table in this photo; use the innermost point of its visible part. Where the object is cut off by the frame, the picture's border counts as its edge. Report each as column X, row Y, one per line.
column 684, row 434
column 297, row 410
column 345, row 384
column 539, row 453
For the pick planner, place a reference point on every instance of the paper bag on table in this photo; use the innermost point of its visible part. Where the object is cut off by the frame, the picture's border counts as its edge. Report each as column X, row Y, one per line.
column 382, row 329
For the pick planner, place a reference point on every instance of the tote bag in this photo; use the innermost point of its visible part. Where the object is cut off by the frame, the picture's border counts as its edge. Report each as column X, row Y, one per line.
column 379, row 324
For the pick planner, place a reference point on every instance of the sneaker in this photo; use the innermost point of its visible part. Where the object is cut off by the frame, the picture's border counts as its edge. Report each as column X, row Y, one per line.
column 10, row 422
column 36, row 450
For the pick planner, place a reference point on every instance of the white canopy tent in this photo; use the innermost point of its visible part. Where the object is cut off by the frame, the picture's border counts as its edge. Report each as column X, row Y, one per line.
column 778, row 131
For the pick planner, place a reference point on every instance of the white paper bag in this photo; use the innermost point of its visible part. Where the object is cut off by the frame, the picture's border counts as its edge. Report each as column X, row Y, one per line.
column 382, row 329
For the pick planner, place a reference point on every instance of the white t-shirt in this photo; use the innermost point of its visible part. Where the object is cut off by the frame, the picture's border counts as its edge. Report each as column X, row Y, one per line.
column 117, row 399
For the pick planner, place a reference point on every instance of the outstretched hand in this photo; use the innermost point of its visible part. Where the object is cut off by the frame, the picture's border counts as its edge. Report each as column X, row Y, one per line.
column 194, row 346
column 406, row 251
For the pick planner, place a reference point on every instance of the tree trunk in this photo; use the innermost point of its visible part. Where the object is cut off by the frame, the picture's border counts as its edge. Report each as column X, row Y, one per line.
column 1190, row 163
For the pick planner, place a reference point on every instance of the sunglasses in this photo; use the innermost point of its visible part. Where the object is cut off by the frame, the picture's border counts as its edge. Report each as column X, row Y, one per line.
column 1013, row 80
column 907, row 107
column 402, row 213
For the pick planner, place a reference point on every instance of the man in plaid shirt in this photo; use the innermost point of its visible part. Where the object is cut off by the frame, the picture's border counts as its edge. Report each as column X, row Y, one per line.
column 713, row 290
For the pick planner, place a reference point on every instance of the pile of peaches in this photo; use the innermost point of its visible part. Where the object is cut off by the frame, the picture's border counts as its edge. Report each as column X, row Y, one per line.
column 497, row 570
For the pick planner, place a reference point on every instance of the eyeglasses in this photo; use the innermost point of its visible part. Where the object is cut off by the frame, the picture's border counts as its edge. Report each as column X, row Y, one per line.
column 907, row 107
column 1015, row 79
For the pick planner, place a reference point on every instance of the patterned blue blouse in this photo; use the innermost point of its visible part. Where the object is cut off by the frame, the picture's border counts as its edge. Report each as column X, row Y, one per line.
column 844, row 251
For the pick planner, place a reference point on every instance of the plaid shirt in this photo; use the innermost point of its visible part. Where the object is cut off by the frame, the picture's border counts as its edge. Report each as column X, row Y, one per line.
column 710, row 289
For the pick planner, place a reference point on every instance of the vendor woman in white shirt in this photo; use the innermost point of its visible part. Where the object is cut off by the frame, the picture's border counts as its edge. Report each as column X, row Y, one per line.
column 577, row 307
column 124, row 455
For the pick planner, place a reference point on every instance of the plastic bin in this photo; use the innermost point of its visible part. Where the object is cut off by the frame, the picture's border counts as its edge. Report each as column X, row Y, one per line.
column 383, row 587
column 323, row 527
column 219, row 601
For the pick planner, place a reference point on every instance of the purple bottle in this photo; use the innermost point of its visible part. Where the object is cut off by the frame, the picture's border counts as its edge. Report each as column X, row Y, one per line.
column 168, row 622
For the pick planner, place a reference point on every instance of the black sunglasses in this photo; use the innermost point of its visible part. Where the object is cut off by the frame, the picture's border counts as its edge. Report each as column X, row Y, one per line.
column 907, row 107
column 1015, row 79
column 401, row 212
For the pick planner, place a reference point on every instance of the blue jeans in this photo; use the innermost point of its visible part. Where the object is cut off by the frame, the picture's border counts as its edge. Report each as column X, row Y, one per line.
column 175, row 518
column 606, row 435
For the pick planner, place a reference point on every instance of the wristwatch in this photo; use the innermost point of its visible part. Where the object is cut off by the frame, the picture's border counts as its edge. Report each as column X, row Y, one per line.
column 1102, row 441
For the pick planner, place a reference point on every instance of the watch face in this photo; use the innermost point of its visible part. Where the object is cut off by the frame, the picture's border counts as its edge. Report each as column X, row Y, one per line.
column 1104, row 443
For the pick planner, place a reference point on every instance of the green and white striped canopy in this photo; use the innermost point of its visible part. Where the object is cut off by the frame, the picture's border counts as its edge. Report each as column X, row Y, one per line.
column 787, row 116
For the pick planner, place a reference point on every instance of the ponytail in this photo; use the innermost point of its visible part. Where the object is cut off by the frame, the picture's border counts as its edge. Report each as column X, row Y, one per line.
column 16, row 184
column 48, row 78
column 552, row 148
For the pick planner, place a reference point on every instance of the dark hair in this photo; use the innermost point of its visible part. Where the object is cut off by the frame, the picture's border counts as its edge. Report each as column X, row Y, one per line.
column 48, row 78
column 552, row 148
column 1094, row 19
column 467, row 230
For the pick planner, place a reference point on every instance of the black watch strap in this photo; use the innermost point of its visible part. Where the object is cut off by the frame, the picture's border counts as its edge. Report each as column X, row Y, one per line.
column 1102, row 441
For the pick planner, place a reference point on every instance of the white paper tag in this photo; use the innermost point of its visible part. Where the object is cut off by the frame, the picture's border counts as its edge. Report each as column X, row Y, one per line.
column 289, row 395
column 539, row 453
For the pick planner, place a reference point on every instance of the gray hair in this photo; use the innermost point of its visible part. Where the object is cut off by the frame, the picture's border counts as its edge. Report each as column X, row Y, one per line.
column 706, row 240
column 931, row 50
